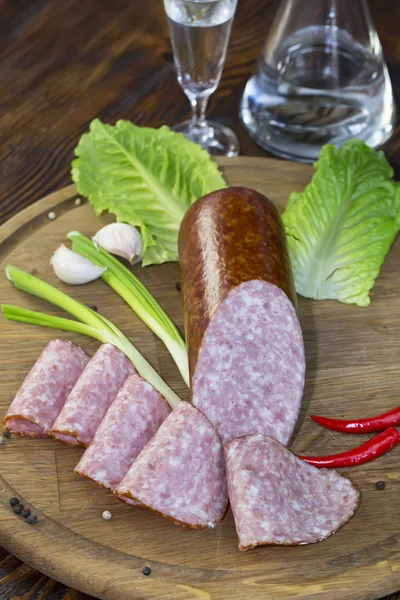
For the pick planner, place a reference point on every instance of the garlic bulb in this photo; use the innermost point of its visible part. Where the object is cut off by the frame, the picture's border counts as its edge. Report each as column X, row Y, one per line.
column 73, row 268
column 121, row 239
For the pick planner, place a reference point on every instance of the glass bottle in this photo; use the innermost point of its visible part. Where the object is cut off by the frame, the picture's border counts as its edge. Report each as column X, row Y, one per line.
column 321, row 78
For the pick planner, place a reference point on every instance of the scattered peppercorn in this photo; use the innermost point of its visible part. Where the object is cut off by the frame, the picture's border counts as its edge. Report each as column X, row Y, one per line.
column 106, row 515
column 18, row 508
column 1, row 440
column 380, row 485
column 146, row 571
column 26, row 513
column 32, row 519
column 93, row 308
column 178, row 286
column 14, row 501
column 78, row 201
column 7, row 434
column 51, row 216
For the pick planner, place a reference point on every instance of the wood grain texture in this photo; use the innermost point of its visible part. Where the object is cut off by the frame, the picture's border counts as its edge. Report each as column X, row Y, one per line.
column 352, row 360
column 63, row 63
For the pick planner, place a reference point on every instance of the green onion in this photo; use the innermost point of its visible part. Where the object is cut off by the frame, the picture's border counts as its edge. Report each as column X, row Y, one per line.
column 90, row 323
column 137, row 296
column 35, row 286
column 24, row 315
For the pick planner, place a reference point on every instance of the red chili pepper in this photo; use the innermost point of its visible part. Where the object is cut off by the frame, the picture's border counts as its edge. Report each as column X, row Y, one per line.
column 375, row 447
column 367, row 425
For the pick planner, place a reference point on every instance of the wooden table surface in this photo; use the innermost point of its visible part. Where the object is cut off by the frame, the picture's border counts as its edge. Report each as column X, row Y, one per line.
column 64, row 63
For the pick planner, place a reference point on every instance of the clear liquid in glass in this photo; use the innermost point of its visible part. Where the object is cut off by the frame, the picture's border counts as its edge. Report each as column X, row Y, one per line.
column 199, row 35
column 200, row 31
column 318, row 92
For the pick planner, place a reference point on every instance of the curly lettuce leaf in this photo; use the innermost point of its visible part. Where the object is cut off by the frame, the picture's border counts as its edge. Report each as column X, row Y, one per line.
column 146, row 177
column 341, row 227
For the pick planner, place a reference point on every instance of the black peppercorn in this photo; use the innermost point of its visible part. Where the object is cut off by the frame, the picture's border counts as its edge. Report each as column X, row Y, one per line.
column 146, row 571
column 18, row 508
column 32, row 519
column 14, row 501
column 7, row 434
column 26, row 512
column 380, row 485
column 178, row 286
column 93, row 308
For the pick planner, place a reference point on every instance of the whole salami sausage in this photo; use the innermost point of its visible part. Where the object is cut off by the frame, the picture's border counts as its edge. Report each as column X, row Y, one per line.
column 277, row 498
column 45, row 389
column 246, row 351
column 92, row 396
column 180, row 474
column 131, row 421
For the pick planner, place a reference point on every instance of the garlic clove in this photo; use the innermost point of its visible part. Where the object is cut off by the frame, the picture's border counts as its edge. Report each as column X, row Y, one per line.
column 121, row 239
column 73, row 268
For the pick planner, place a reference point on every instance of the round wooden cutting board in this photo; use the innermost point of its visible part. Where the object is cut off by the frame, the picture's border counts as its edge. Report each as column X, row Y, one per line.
column 353, row 358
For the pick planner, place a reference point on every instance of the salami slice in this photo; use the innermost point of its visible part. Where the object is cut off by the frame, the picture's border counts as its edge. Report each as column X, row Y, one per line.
column 277, row 498
column 180, row 474
column 131, row 421
column 246, row 351
column 45, row 389
column 92, row 396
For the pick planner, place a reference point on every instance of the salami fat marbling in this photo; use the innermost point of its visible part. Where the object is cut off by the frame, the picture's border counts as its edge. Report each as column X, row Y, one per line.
column 180, row 474
column 246, row 351
column 92, row 396
column 278, row 499
column 131, row 421
column 45, row 389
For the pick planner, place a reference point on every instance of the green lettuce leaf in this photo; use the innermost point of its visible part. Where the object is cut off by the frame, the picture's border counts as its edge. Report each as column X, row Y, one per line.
column 146, row 177
column 342, row 225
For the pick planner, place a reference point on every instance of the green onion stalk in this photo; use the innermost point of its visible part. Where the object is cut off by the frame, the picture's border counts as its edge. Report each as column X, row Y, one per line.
column 89, row 323
column 137, row 296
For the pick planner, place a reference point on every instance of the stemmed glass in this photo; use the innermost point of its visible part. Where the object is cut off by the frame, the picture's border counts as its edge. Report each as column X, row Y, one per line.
column 200, row 31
